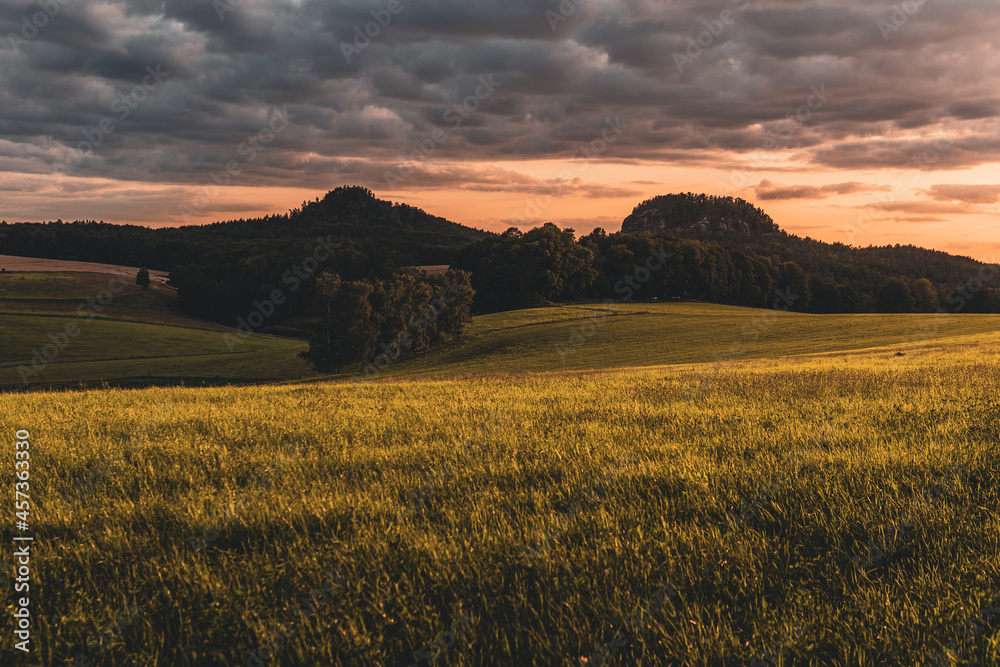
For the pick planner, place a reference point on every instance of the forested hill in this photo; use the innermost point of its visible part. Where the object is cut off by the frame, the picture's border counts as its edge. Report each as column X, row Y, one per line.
column 698, row 213
column 222, row 270
column 396, row 234
column 721, row 250
column 738, row 226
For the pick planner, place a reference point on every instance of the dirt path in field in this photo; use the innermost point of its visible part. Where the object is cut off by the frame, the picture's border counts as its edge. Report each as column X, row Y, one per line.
column 35, row 264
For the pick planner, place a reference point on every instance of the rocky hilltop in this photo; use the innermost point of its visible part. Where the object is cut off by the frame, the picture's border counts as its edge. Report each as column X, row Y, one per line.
column 699, row 213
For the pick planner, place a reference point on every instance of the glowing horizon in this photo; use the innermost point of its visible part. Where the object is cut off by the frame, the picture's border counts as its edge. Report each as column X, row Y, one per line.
column 847, row 123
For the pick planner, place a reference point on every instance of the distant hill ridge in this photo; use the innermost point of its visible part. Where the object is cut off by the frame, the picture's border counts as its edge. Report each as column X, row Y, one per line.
column 351, row 213
column 221, row 270
column 738, row 225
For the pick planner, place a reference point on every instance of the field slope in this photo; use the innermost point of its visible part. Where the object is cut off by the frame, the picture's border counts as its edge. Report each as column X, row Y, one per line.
column 583, row 337
column 136, row 337
column 831, row 510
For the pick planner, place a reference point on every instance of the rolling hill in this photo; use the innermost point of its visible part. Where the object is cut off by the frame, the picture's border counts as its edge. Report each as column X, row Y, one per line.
column 68, row 329
column 141, row 338
column 634, row 335
column 350, row 216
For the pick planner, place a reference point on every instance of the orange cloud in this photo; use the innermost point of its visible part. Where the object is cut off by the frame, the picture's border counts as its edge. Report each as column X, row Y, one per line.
column 769, row 190
column 970, row 194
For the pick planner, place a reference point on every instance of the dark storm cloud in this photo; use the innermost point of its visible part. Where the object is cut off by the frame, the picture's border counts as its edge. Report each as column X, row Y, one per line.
column 689, row 79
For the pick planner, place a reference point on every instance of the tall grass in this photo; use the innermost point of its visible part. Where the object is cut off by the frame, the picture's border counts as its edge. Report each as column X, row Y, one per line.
column 837, row 510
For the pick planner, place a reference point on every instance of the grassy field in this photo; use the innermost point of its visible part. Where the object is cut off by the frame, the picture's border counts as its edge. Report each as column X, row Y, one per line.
column 136, row 337
column 140, row 337
column 836, row 509
column 132, row 352
column 645, row 334
column 63, row 293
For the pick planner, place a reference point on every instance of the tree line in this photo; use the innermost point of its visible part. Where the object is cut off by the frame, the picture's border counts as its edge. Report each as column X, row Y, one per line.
column 374, row 322
column 359, row 304
column 545, row 265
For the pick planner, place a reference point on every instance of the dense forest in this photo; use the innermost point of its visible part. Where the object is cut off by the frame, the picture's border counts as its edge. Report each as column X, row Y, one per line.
column 374, row 322
column 722, row 250
column 221, row 270
column 679, row 246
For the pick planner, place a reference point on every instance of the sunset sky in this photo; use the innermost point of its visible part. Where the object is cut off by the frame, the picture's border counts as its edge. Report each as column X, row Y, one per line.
column 846, row 120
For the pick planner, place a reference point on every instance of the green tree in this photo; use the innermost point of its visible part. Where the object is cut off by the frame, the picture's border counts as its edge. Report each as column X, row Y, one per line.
column 142, row 278
column 456, row 294
column 894, row 297
column 345, row 332
column 795, row 280
column 520, row 270
column 827, row 296
column 925, row 296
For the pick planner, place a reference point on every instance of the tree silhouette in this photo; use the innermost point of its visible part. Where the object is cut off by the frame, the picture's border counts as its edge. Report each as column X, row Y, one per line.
column 894, row 297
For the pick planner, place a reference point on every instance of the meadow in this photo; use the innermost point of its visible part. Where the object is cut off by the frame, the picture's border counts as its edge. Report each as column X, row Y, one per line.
column 131, row 337
column 824, row 509
column 141, row 338
column 630, row 335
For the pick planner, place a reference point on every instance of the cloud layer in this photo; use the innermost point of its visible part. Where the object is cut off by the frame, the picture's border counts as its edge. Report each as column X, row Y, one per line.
column 440, row 93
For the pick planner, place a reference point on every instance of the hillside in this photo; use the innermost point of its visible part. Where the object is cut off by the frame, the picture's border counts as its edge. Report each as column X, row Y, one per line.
column 740, row 227
column 866, row 269
column 222, row 271
column 351, row 216
column 715, row 249
column 60, row 293
column 141, row 338
column 703, row 213
column 594, row 336
column 68, row 329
